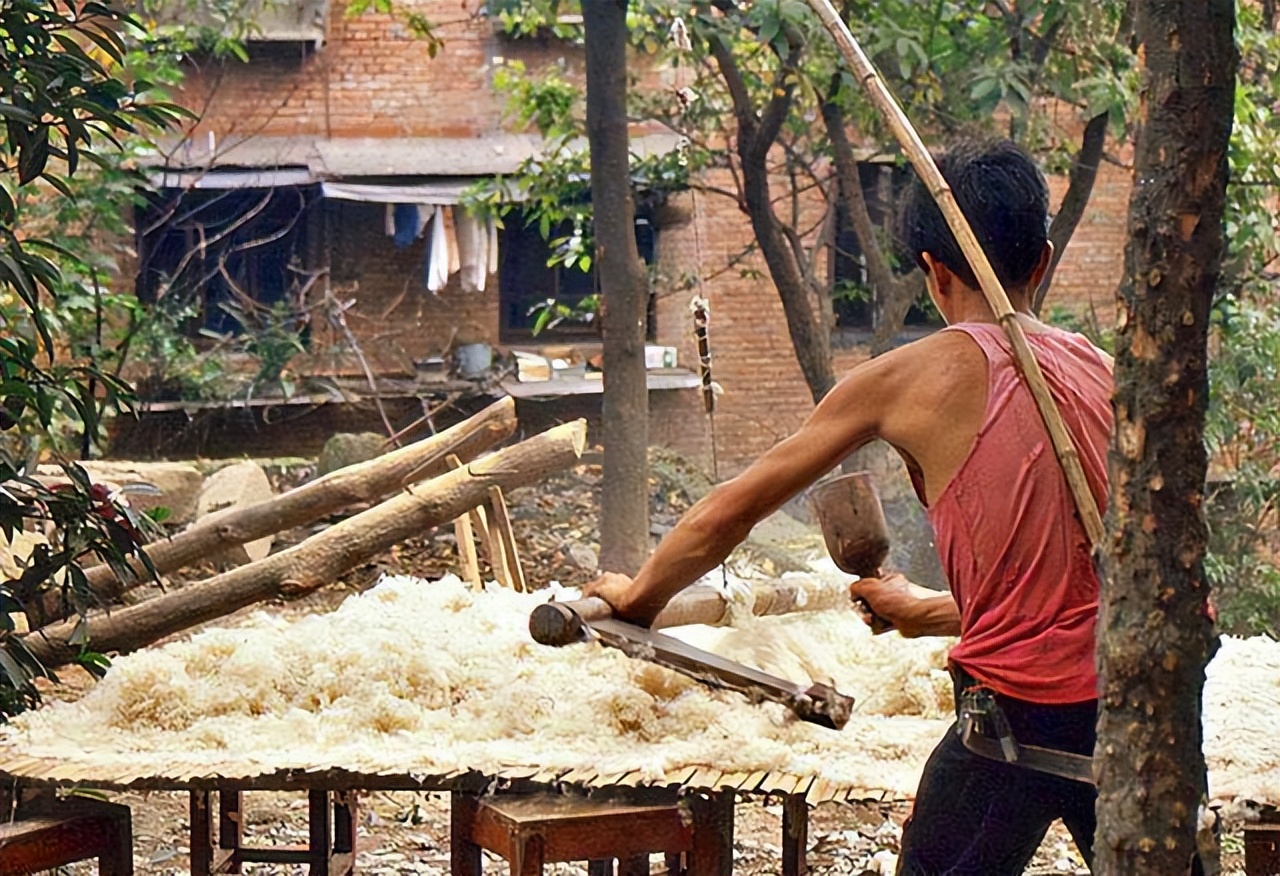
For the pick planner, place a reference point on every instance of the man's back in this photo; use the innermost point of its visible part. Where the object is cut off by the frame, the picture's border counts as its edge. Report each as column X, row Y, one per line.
column 1016, row 556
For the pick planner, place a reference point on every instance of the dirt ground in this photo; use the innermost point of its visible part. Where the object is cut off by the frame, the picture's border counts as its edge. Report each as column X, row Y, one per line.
column 407, row 833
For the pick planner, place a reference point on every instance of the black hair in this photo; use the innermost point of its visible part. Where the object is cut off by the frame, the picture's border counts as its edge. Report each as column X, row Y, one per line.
column 1003, row 195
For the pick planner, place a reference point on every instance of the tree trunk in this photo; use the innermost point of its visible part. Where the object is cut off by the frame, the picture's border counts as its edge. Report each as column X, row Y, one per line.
column 1084, row 172
column 894, row 295
column 1155, row 635
column 624, row 499
column 322, row 558
column 757, row 132
column 364, row 482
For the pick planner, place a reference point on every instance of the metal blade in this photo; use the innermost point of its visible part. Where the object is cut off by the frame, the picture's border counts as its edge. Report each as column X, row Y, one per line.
column 817, row 703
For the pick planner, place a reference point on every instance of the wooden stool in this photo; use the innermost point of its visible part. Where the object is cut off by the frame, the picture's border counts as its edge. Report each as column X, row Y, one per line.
column 529, row 831
column 49, row 833
column 330, row 850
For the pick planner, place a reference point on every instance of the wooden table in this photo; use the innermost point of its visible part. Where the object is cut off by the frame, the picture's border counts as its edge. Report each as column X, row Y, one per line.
column 217, row 835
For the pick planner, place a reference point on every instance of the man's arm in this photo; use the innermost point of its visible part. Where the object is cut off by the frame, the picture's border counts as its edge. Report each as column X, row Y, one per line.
column 848, row 417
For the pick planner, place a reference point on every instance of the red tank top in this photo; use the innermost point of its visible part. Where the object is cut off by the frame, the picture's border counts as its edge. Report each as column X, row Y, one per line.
column 1014, row 550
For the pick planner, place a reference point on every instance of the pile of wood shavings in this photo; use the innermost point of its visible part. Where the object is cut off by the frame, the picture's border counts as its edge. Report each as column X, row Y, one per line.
column 428, row 678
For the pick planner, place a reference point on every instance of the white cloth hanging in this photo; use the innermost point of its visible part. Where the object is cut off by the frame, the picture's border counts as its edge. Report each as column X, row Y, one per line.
column 450, row 226
column 473, row 250
column 493, row 246
column 438, row 266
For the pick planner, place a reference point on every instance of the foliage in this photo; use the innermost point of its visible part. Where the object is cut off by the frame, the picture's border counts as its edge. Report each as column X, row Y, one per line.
column 80, row 87
column 957, row 66
column 1242, row 428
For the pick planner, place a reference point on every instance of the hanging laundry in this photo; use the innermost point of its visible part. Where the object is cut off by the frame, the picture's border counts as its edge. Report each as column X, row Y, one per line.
column 438, row 259
column 493, row 246
column 391, row 220
column 406, row 225
column 473, row 250
column 450, row 226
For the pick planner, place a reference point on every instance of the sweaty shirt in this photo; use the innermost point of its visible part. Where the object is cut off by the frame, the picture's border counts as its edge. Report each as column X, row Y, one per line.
column 1014, row 550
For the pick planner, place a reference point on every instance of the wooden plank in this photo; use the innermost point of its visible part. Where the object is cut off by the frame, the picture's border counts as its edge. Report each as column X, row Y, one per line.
column 488, row 540
column 465, row 537
column 500, row 518
column 754, row 781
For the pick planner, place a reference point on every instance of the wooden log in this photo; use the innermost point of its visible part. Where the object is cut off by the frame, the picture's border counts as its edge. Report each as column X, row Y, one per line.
column 560, row 623
column 323, row 557
column 364, row 482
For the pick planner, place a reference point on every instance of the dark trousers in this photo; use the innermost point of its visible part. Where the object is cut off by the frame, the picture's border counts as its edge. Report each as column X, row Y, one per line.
column 975, row 816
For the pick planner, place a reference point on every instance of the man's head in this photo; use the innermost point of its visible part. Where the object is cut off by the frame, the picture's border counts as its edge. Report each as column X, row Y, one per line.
column 1003, row 195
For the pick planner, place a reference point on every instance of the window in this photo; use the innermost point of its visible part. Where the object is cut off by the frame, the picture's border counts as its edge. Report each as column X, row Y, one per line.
column 214, row 251
column 525, row 280
column 882, row 186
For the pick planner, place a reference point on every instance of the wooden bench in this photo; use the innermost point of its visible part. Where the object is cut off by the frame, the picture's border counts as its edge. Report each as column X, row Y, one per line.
column 528, row 831
column 48, row 833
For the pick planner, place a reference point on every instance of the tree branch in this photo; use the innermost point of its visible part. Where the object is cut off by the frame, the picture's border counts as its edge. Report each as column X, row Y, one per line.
column 894, row 295
column 1084, row 172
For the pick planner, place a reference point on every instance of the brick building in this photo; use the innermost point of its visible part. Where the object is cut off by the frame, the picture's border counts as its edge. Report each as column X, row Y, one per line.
column 335, row 119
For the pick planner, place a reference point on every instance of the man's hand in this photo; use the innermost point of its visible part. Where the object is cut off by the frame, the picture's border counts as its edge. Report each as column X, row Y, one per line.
column 616, row 589
column 911, row 609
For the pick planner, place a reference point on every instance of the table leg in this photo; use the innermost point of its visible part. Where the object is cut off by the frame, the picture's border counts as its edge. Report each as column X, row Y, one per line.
column 712, row 852
column 345, row 821
column 795, row 835
column 464, row 855
column 675, row 863
column 603, row 867
column 529, row 858
column 231, row 827
column 320, row 822
column 201, row 845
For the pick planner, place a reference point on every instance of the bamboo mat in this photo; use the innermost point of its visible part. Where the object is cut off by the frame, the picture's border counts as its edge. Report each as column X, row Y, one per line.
column 177, row 777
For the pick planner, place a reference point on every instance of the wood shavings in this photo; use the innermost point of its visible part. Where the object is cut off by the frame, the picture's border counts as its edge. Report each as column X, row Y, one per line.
column 432, row 679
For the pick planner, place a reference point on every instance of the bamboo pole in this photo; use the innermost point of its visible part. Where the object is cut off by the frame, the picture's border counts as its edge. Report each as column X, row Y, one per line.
column 920, row 158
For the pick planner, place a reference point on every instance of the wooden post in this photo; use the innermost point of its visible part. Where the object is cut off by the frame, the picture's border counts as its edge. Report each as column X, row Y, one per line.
column 201, row 845
column 464, row 855
column 465, row 537
column 501, row 520
column 795, row 835
column 712, row 852
column 320, row 833
column 231, row 827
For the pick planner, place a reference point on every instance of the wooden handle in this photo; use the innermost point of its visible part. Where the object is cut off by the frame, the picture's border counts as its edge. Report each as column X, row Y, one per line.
column 563, row 623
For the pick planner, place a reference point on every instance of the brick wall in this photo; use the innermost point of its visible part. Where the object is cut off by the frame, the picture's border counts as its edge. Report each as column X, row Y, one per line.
column 374, row 80
column 394, row 317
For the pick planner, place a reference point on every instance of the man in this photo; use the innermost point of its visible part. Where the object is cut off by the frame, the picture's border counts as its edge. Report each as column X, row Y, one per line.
column 1024, row 594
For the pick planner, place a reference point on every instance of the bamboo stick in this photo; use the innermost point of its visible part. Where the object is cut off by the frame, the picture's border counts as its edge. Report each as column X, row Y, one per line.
column 920, row 158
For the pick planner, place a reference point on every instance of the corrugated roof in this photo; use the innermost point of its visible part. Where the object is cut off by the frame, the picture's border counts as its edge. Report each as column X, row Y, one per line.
column 437, row 156
column 202, row 152
column 357, row 158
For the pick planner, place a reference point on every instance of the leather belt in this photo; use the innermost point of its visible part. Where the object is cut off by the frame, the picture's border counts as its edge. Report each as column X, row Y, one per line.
column 979, row 712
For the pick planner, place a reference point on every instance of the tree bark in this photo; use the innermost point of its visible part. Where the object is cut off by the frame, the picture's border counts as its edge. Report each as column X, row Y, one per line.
column 365, row 482
column 624, row 497
column 757, row 132
column 1155, row 635
column 322, row 558
column 1084, row 172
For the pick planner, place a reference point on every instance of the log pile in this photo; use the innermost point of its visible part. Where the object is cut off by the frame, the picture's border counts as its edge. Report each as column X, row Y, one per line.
column 416, row 488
